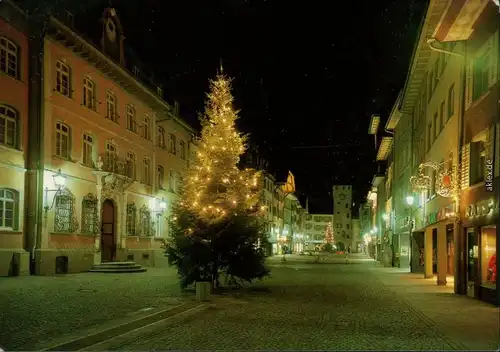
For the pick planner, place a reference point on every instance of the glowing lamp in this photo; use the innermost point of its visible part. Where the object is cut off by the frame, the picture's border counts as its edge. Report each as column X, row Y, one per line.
column 385, row 216
column 410, row 200
column 59, row 179
column 446, row 181
column 163, row 204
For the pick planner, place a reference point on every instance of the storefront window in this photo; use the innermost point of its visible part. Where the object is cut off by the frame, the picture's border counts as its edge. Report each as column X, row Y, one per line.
column 488, row 257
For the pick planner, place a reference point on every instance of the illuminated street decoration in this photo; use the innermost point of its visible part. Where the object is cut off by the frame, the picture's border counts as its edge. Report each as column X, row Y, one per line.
column 444, row 182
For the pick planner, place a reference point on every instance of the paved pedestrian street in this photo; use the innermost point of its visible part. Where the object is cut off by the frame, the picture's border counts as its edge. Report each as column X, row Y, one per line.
column 37, row 309
column 333, row 306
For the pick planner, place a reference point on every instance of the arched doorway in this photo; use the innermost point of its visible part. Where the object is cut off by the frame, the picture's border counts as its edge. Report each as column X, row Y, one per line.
column 108, row 247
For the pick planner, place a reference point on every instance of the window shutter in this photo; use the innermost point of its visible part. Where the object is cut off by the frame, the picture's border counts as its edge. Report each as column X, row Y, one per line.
column 468, row 85
column 493, row 47
column 465, row 167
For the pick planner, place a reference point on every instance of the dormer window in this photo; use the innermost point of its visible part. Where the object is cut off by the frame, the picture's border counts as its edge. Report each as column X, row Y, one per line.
column 159, row 91
column 136, row 71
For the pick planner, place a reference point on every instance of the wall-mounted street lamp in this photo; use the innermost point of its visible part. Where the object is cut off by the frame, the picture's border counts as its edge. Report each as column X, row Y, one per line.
column 410, row 200
column 162, row 206
column 60, row 184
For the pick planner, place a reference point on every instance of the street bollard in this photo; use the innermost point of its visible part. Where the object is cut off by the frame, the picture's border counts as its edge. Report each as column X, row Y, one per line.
column 202, row 291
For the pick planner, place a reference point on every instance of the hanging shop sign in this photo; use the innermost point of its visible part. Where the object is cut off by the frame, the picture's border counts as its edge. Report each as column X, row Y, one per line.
column 481, row 208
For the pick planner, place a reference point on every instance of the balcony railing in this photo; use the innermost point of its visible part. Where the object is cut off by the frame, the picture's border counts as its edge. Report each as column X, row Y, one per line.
column 112, row 163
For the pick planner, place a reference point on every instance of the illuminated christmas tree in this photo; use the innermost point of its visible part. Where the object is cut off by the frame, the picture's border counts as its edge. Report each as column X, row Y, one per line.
column 214, row 228
column 328, row 241
column 213, row 186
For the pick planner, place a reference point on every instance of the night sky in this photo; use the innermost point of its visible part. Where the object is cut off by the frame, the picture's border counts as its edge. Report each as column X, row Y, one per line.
column 307, row 74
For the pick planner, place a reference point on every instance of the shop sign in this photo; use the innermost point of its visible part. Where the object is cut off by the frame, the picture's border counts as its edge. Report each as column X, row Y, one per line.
column 481, row 208
column 439, row 215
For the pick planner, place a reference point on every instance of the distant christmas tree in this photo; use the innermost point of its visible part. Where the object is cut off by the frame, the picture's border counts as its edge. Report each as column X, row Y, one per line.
column 328, row 241
column 215, row 227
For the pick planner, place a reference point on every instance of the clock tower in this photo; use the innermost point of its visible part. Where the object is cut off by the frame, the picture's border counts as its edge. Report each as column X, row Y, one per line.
column 112, row 36
column 342, row 215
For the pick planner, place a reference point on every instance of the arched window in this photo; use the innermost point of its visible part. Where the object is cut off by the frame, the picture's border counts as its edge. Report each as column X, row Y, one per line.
column 160, row 137
column 131, row 219
column 64, row 218
column 145, row 217
column 8, row 126
column 89, row 214
column 9, row 58
column 8, row 209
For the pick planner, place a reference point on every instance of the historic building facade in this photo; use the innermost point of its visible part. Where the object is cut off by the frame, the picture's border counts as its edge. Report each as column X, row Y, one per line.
column 14, row 87
column 448, row 119
column 112, row 154
column 342, row 215
column 314, row 230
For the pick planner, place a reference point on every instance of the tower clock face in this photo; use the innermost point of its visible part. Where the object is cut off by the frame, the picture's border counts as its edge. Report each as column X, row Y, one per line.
column 110, row 30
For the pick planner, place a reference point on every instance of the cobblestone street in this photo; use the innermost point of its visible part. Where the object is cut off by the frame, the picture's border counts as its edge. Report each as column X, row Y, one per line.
column 320, row 307
column 34, row 309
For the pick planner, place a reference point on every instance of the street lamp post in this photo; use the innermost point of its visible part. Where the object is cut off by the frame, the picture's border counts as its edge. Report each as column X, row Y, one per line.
column 409, row 201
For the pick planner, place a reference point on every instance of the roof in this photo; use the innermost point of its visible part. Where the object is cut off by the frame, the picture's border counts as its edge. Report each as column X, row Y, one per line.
column 384, row 148
column 421, row 55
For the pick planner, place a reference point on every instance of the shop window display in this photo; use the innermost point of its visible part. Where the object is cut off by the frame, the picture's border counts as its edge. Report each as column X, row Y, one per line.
column 488, row 257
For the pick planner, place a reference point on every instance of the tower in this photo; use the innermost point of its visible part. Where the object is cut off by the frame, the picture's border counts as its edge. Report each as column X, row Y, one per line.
column 112, row 36
column 342, row 215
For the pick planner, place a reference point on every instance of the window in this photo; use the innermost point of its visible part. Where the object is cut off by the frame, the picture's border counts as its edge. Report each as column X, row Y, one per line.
column 131, row 164
column 131, row 220
column 477, row 161
column 90, row 223
column 160, row 176
column 8, row 208
column 145, row 128
column 87, row 147
column 451, row 101
column 8, row 126
column 88, row 94
column 62, row 140
column 9, row 59
column 171, row 181
column 441, row 116
column 159, row 92
column 136, row 71
column 145, row 217
column 347, row 226
column 62, row 79
column 488, row 257
column 481, row 72
column 111, row 112
column 160, row 137
column 172, row 144
column 64, row 218
column 110, row 157
column 147, row 171
column 131, row 125
column 183, row 150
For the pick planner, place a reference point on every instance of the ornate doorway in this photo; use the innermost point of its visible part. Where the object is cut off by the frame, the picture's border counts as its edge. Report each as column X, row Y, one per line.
column 108, row 246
